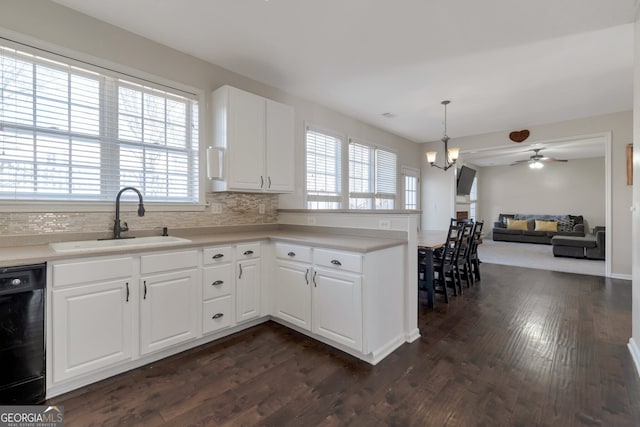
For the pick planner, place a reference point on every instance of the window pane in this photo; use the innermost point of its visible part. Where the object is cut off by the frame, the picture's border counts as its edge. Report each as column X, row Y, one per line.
column 323, row 166
column 410, row 192
column 360, row 169
column 385, row 172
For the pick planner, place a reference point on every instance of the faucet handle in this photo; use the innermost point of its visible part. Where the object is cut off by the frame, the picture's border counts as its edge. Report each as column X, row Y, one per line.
column 125, row 228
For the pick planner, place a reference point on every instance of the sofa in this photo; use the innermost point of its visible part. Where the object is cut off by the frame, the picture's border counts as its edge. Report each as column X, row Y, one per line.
column 590, row 246
column 528, row 228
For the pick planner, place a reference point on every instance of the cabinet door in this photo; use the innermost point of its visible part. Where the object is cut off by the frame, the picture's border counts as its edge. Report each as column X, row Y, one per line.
column 246, row 138
column 293, row 293
column 167, row 309
column 247, row 289
column 280, row 148
column 337, row 307
column 91, row 327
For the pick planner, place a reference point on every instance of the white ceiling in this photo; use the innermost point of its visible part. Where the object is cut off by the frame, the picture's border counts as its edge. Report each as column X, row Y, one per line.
column 567, row 149
column 504, row 64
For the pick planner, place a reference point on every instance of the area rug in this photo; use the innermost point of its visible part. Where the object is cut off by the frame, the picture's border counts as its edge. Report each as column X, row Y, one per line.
column 535, row 256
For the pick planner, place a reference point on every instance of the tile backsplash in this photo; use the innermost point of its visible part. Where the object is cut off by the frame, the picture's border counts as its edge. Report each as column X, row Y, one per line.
column 237, row 209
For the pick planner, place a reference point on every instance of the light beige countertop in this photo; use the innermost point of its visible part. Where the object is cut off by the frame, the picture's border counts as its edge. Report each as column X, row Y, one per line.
column 24, row 254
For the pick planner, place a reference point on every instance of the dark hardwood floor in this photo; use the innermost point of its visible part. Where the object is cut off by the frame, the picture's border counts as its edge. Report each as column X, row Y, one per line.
column 522, row 348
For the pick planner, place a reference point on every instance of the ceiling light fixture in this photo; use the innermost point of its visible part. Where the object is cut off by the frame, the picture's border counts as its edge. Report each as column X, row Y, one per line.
column 451, row 154
column 536, row 164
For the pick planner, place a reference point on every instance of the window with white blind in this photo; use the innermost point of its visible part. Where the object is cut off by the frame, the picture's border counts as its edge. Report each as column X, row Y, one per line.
column 69, row 132
column 411, row 188
column 372, row 177
column 323, row 169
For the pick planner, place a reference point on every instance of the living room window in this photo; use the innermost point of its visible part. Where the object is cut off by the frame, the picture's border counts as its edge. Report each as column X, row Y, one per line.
column 72, row 131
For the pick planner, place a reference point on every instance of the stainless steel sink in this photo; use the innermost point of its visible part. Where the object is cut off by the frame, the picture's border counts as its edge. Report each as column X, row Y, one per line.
column 98, row 245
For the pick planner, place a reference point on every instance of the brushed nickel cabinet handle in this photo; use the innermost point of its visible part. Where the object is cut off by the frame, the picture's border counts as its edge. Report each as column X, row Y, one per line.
column 217, row 283
column 217, row 315
column 335, row 262
column 217, row 256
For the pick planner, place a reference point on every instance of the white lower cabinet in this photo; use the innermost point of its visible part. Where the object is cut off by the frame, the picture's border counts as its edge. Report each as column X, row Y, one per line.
column 218, row 288
column 92, row 327
column 109, row 314
column 337, row 307
column 167, row 310
column 91, row 310
column 248, row 280
column 320, row 290
column 293, row 293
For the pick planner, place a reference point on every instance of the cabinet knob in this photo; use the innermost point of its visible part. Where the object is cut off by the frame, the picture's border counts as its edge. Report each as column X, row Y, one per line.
column 291, row 254
column 217, row 283
column 217, row 315
column 335, row 262
column 217, row 256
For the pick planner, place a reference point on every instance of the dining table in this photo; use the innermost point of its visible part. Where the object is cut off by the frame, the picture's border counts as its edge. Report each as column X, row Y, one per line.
column 428, row 241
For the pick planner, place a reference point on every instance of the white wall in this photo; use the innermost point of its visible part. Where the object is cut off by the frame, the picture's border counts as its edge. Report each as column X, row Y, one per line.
column 576, row 187
column 437, row 188
column 634, row 342
column 58, row 26
column 620, row 125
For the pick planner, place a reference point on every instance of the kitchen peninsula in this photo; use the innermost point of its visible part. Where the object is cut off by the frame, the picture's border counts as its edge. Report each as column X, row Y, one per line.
column 348, row 291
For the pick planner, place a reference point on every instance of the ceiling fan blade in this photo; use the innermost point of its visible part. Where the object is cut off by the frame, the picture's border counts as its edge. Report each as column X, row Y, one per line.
column 551, row 159
column 519, row 162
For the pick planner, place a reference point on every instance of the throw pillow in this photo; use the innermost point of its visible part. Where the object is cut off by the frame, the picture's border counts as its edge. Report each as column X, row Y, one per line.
column 566, row 224
column 516, row 224
column 546, row 225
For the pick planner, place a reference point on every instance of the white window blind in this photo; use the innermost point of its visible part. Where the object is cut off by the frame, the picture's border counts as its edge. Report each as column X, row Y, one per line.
column 74, row 133
column 324, row 169
column 372, row 177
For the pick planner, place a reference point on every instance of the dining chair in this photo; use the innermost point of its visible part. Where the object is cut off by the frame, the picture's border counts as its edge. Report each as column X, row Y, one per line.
column 444, row 263
column 473, row 257
column 462, row 264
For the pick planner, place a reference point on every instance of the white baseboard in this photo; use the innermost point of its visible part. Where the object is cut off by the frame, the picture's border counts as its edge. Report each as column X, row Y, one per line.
column 620, row 276
column 635, row 354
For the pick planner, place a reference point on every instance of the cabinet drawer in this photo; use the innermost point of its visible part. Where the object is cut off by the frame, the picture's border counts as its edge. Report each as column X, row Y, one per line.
column 91, row 271
column 168, row 261
column 217, row 314
column 218, row 255
column 247, row 251
column 344, row 261
column 293, row 252
column 217, row 281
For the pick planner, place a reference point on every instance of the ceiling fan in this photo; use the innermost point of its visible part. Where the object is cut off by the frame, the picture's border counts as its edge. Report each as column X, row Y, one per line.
column 535, row 161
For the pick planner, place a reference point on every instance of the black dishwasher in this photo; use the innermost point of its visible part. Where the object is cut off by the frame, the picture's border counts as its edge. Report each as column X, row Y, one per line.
column 22, row 347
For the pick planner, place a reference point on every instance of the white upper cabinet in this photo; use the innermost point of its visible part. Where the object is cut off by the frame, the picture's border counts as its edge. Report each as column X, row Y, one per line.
column 279, row 153
column 257, row 137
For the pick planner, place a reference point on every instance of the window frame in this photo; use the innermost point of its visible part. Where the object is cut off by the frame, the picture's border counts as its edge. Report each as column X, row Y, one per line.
column 407, row 171
column 71, row 59
column 373, row 194
column 339, row 198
